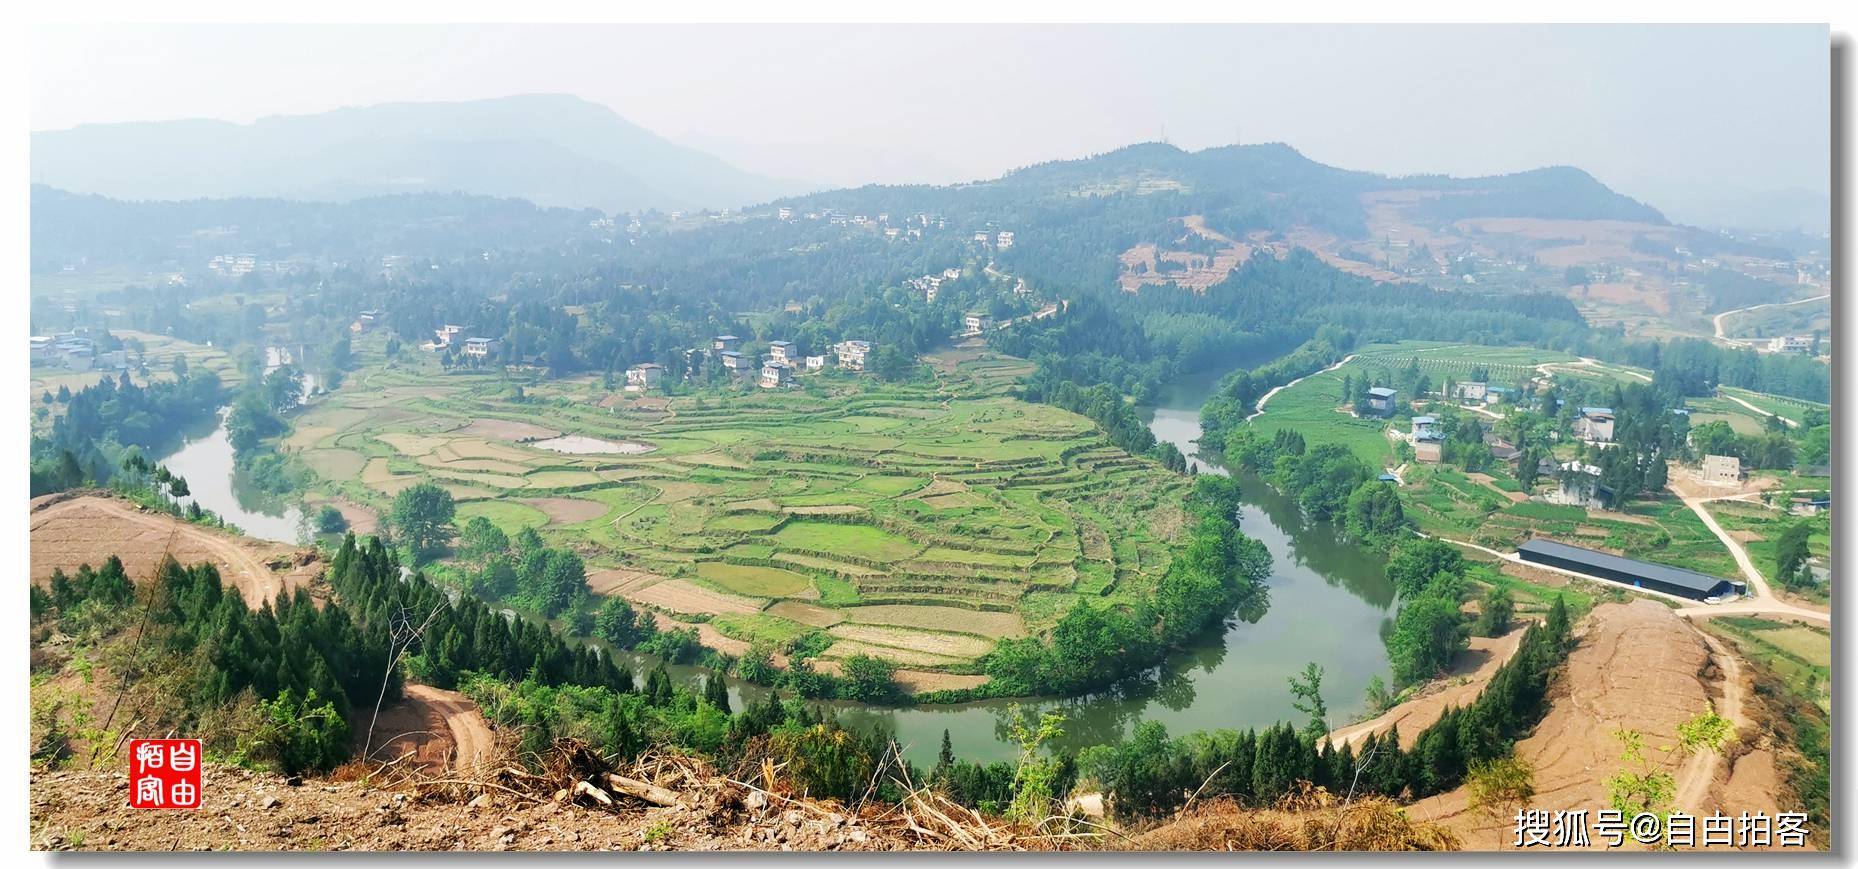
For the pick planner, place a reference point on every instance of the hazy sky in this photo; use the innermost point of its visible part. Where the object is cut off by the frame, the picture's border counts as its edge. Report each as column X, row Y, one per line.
column 1676, row 115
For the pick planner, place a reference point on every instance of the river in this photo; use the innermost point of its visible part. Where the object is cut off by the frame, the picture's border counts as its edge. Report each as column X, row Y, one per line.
column 205, row 460
column 1328, row 601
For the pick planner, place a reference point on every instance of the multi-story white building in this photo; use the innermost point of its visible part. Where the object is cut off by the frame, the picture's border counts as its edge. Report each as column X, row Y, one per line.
column 775, row 375
column 1472, row 390
column 649, row 375
column 480, row 348
column 852, row 354
column 1595, row 425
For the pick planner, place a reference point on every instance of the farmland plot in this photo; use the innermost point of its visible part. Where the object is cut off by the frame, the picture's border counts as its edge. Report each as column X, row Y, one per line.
column 916, row 523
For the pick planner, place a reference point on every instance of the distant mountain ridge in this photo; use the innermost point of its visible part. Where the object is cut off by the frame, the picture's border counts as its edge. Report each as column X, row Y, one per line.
column 553, row 150
column 1273, row 182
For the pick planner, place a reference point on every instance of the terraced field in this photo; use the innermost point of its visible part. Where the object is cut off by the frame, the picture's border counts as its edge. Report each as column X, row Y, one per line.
column 916, row 523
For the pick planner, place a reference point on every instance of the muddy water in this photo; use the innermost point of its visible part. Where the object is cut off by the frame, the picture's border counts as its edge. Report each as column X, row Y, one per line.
column 1328, row 601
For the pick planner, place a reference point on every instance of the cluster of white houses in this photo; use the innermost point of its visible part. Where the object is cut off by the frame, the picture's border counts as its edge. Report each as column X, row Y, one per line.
column 930, row 285
column 912, row 226
column 1577, row 483
column 75, row 350
column 775, row 370
column 1790, row 344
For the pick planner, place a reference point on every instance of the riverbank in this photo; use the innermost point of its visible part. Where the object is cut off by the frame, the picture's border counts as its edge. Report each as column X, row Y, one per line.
column 1328, row 603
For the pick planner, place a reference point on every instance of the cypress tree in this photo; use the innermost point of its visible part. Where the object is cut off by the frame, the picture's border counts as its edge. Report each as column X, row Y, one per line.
column 715, row 691
column 1558, row 623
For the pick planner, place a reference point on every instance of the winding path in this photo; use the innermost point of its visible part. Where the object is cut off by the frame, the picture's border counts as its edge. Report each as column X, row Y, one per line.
column 1697, row 773
column 1763, row 599
column 472, row 741
column 1790, row 423
column 1259, row 407
column 1717, row 320
column 245, row 570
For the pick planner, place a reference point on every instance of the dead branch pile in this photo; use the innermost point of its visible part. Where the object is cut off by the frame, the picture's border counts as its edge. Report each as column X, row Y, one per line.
column 751, row 806
column 1310, row 819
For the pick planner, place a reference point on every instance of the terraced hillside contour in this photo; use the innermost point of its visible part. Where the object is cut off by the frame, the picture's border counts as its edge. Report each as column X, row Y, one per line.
column 920, row 524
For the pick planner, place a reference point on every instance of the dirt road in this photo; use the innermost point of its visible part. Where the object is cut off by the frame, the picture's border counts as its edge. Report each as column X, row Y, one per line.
column 1694, row 780
column 1784, row 420
column 1636, row 667
column 1258, row 410
column 1717, row 320
column 1547, row 369
column 471, row 738
column 87, row 529
column 1761, row 598
column 1470, row 673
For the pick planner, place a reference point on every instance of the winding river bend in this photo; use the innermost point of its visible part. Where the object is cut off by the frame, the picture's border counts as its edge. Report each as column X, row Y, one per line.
column 205, row 460
column 1328, row 601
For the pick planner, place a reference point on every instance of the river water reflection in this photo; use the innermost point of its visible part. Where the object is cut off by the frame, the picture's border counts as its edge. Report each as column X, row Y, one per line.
column 1328, row 601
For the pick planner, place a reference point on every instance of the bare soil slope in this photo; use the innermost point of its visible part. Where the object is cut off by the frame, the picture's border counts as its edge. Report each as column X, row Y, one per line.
column 1470, row 673
column 75, row 528
column 431, row 729
column 1637, row 666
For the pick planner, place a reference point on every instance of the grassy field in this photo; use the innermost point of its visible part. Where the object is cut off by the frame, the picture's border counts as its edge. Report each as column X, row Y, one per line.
column 1315, row 407
column 1779, row 405
column 1443, row 501
column 926, row 521
column 1490, row 508
column 1799, row 654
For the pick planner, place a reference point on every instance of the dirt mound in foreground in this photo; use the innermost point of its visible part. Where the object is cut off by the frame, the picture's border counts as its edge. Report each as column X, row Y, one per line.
column 1638, row 666
column 657, row 804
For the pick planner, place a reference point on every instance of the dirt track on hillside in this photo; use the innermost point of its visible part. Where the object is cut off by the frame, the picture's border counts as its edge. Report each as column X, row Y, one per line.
column 471, row 739
column 1638, row 666
column 1470, row 673
column 71, row 530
